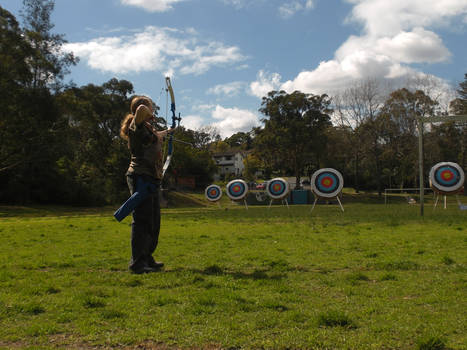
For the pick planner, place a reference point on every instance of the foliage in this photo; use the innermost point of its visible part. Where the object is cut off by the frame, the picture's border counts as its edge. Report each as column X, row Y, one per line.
column 459, row 105
column 31, row 128
column 240, row 140
column 294, row 130
column 94, row 158
column 50, row 65
column 192, row 158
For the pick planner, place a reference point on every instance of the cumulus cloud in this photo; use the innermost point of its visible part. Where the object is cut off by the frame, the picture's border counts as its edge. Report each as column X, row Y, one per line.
column 152, row 5
column 264, row 83
column 155, row 49
column 233, row 120
column 388, row 18
column 229, row 89
column 227, row 121
column 193, row 122
column 395, row 34
column 290, row 8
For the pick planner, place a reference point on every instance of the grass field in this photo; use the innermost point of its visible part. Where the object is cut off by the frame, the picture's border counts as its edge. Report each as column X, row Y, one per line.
column 374, row 277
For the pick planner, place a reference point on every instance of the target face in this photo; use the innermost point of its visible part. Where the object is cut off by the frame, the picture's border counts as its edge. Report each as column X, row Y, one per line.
column 447, row 177
column 237, row 189
column 277, row 188
column 327, row 183
column 213, row 193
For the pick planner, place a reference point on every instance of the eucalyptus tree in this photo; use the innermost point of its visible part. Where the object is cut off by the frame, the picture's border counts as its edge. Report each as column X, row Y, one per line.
column 354, row 106
column 294, row 130
column 400, row 115
column 50, row 63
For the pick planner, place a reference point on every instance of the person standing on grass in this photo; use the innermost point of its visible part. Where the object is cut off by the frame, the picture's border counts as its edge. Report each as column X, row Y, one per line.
column 145, row 144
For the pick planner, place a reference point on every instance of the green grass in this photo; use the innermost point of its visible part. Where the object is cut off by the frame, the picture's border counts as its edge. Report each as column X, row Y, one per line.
column 374, row 277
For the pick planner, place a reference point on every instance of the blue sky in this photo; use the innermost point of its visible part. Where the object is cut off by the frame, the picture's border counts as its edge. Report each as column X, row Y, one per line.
column 224, row 55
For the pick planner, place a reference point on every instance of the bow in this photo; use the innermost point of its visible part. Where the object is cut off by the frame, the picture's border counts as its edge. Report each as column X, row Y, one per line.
column 174, row 124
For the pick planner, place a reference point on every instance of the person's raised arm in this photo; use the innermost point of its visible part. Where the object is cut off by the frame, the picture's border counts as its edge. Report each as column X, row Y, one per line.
column 142, row 114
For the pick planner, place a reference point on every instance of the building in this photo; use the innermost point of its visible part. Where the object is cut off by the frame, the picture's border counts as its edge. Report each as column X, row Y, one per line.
column 229, row 164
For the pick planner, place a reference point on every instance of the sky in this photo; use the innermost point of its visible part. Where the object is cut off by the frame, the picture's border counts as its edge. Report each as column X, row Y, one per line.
column 223, row 56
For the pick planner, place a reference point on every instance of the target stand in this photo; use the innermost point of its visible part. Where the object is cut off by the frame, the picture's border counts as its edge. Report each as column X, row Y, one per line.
column 237, row 191
column 278, row 189
column 447, row 178
column 213, row 193
column 327, row 183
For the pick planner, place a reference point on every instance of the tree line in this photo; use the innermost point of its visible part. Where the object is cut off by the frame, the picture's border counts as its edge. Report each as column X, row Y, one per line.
column 369, row 135
column 60, row 143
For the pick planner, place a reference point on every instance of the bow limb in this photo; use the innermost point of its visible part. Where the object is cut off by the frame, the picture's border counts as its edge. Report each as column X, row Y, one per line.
column 174, row 120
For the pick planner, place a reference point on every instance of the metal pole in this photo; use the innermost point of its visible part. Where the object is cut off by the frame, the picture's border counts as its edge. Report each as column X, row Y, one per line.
column 420, row 164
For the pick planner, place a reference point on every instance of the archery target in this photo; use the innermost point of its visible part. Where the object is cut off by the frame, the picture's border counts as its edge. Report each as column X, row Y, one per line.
column 213, row 193
column 237, row 190
column 277, row 188
column 447, row 177
column 327, row 183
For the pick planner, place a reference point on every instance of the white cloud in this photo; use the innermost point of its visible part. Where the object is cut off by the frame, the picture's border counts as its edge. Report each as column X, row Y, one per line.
column 387, row 18
column 233, row 120
column 192, row 122
column 416, row 46
column 227, row 121
column 204, row 107
column 235, row 3
column 155, row 49
column 229, row 89
column 265, row 82
column 152, row 5
column 290, row 8
column 395, row 34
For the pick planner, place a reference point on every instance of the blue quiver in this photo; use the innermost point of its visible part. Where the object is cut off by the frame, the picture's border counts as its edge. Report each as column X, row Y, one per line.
column 143, row 189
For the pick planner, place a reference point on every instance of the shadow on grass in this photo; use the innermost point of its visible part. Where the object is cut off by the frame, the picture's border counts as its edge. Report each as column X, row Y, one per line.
column 216, row 270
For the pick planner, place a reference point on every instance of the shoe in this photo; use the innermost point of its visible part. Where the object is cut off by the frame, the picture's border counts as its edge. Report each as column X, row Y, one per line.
column 145, row 269
column 156, row 264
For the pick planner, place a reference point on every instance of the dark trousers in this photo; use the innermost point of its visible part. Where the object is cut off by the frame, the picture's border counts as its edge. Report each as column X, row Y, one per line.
column 146, row 224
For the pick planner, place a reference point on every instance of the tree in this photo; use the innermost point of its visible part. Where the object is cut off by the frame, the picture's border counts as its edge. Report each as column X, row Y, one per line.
column 15, row 74
column 94, row 157
column 353, row 107
column 30, row 126
column 294, row 130
column 49, row 64
column 252, row 165
column 191, row 158
column 400, row 114
column 459, row 105
column 240, row 140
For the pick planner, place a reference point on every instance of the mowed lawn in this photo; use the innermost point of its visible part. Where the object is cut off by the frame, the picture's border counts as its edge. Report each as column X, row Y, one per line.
column 375, row 277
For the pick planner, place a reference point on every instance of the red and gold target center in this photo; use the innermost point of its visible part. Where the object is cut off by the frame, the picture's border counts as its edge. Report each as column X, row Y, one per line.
column 327, row 182
column 447, row 175
column 277, row 187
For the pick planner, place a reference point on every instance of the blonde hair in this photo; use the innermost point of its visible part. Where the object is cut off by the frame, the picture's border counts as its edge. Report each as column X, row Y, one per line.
column 135, row 103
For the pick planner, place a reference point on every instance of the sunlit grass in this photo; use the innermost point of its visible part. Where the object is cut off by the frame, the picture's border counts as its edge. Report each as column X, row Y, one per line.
column 373, row 277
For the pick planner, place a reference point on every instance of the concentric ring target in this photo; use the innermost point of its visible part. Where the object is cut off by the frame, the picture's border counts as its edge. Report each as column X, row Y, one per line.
column 213, row 193
column 327, row 183
column 237, row 190
column 447, row 177
column 277, row 188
